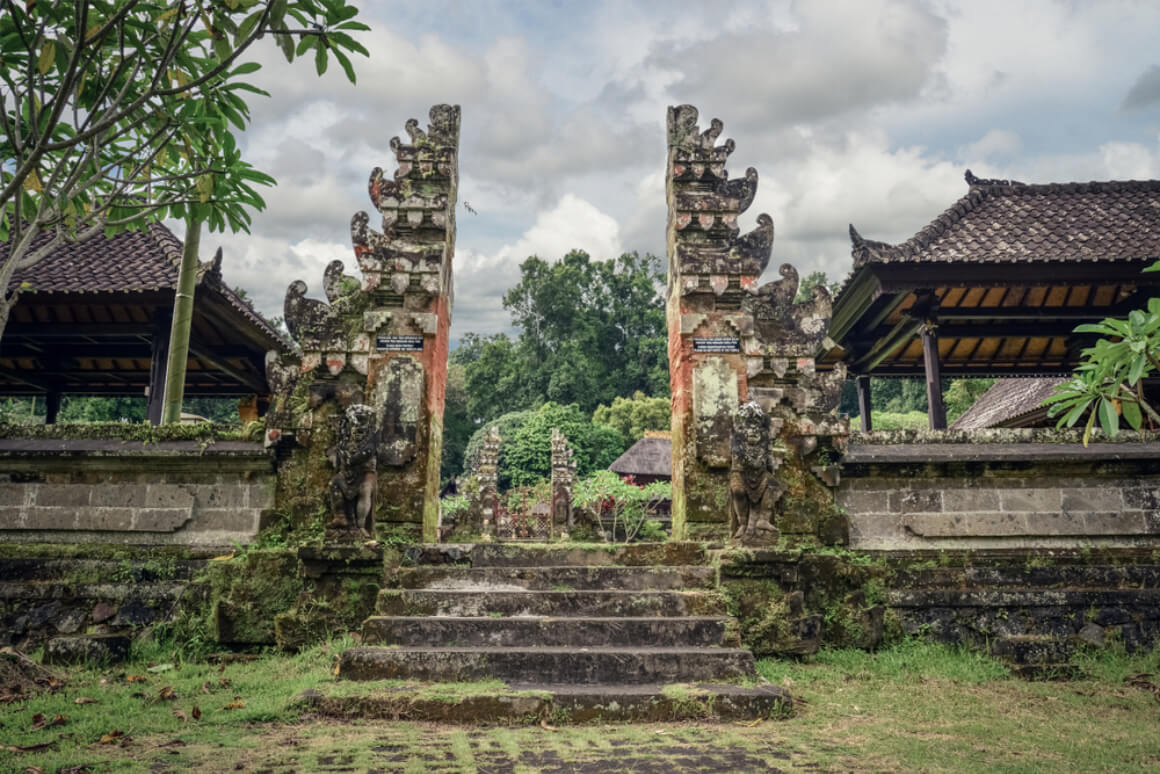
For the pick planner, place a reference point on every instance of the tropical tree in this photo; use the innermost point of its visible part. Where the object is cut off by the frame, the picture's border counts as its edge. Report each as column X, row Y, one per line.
column 115, row 114
column 1109, row 381
column 631, row 417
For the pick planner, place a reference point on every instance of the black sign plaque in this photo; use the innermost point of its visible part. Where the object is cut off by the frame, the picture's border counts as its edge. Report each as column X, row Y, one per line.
column 717, row 344
column 399, row 343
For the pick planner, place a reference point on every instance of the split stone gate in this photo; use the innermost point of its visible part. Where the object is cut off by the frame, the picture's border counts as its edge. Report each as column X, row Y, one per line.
column 358, row 412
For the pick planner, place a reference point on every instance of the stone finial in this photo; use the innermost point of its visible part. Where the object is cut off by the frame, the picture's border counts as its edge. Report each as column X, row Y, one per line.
column 563, row 479
column 489, row 480
column 417, row 208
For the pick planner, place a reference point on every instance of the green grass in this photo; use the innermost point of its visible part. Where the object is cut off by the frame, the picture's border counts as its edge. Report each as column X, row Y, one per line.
column 912, row 708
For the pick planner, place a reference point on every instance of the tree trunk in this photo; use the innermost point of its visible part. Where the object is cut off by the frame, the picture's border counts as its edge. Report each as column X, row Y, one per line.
column 182, row 320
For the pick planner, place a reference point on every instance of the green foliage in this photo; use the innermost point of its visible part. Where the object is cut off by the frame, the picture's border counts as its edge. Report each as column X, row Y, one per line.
column 527, row 456
column 893, row 420
column 1109, row 380
column 624, row 506
column 118, row 114
column 457, row 424
column 962, row 394
column 631, row 417
column 589, row 331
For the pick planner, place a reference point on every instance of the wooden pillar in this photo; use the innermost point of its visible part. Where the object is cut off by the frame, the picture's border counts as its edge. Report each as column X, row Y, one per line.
column 863, row 383
column 160, row 357
column 51, row 406
column 936, row 411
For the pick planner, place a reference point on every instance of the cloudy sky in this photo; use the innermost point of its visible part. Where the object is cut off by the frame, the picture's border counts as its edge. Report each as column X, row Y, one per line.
column 862, row 111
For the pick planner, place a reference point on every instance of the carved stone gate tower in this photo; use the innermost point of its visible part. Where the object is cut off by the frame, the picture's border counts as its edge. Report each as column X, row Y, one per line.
column 381, row 342
column 711, row 270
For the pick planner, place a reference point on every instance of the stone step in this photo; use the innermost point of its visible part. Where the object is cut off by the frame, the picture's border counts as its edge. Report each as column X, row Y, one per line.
column 529, row 704
column 106, row 592
column 409, row 631
column 1040, row 577
column 574, row 666
column 586, row 603
column 568, row 577
column 535, row 555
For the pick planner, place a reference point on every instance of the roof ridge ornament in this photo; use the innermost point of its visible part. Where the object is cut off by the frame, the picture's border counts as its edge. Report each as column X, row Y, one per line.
column 980, row 182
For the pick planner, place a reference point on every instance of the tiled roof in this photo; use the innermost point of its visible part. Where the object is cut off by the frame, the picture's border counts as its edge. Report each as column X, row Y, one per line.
column 1008, row 221
column 128, row 262
column 646, row 457
column 1007, row 400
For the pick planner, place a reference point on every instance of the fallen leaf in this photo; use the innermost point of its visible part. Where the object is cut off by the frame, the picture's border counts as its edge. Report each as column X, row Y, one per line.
column 33, row 770
column 224, row 558
column 224, row 681
column 59, row 720
column 81, row 769
column 180, row 716
column 544, row 725
column 111, row 737
column 173, row 743
column 167, row 693
column 38, row 721
column 196, row 712
column 234, row 705
column 30, row 747
column 205, row 687
column 84, row 700
column 134, row 679
column 160, row 668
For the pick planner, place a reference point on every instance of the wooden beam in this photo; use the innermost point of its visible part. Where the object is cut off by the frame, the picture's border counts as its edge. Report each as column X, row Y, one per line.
column 255, row 383
column 935, row 409
column 901, row 334
column 863, row 384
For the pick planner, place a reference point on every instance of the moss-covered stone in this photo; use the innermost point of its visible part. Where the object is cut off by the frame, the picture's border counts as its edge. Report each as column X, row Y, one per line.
column 246, row 594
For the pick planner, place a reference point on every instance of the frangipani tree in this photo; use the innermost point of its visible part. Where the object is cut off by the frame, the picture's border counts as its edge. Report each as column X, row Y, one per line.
column 116, row 113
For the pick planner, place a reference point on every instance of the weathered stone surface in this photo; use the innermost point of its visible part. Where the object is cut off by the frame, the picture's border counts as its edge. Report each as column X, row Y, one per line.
column 569, row 665
column 387, row 334
column 419, row 631
column 663, row 578
column 753, row 487
column 87, row 649
column 549, row 603
column 517, row 555
column 531, row 703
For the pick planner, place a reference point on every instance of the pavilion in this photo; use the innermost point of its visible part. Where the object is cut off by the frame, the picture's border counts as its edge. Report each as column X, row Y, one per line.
column 94, row 318
column 995, row 286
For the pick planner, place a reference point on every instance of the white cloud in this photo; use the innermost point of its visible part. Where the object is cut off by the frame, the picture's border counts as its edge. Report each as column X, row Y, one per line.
column 481, row 280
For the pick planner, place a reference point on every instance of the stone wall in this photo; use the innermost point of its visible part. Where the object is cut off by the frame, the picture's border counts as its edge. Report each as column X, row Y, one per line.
column 1005, row 489
column 185, row 492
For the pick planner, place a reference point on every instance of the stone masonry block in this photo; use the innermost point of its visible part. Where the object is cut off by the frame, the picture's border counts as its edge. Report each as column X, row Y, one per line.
column 957, row 500
column 916, row 501
column 169, row 496
column 11, row 517
column 1145, row 498
column 40, row 517
column 15, row 494
column 1058, row 524
column 875, row 528
column 1041, row 499
column 161, row 519
column 226, row 520
column 106, row 519
column 231, row 495
column 120, row 495
column 63, row 495
column 1116, row 523
column 1095, row 498
column 986, row 524
column 857, row 501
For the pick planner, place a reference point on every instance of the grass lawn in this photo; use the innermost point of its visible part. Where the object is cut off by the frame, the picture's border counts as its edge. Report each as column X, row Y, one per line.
column 915, row 707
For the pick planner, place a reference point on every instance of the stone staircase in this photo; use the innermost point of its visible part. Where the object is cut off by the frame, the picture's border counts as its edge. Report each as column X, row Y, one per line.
column 638, row 632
